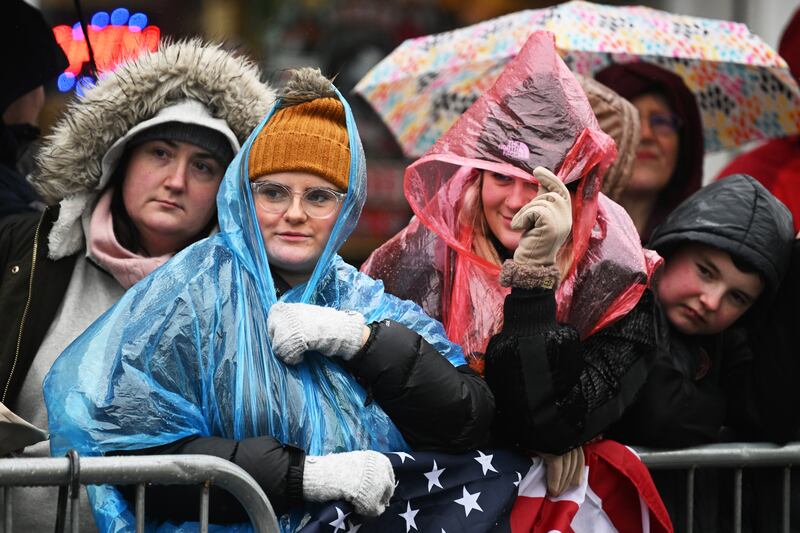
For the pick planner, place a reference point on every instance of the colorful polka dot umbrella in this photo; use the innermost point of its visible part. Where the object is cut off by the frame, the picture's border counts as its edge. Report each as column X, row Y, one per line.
column 744, row 89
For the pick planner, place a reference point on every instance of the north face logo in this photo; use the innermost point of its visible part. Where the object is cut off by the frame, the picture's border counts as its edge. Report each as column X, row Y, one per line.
column 516, row 150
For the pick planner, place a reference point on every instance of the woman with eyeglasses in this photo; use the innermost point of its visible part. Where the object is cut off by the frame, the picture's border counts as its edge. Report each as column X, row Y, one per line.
column 669, row 162
column 261, row 346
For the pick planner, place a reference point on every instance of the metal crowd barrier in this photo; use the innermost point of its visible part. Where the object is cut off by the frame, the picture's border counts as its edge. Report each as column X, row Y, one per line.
column 207, row 470
column 736, row 456
column 202, row 470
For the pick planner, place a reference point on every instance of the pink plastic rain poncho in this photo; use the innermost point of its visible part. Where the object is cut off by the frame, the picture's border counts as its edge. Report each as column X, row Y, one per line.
column 536, row 114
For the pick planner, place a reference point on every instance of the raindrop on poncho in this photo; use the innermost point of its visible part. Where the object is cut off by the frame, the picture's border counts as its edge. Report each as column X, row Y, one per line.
column 185, row 352
column 536, row 114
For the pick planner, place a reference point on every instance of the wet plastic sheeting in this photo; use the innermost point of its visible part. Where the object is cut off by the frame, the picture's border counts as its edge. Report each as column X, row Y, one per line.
column 185, row 352
column 535, row 115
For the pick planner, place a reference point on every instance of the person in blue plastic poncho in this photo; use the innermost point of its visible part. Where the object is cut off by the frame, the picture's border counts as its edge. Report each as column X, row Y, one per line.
column 261, row 346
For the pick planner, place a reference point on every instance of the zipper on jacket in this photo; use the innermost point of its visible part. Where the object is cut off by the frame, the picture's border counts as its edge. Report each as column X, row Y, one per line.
column 27, row 306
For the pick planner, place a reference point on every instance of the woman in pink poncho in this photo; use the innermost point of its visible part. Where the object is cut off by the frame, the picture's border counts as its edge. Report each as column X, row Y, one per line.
column 589, row 332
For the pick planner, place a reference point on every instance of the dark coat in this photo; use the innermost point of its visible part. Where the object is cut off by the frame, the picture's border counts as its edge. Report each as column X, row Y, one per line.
column 434, row 408
column 554, row 392
column 744, row 378
column 16, row 194
column 29, row 50
column 31, row 290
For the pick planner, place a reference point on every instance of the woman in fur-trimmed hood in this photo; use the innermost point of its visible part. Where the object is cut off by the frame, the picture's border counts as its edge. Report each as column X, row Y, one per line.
column 130, row 173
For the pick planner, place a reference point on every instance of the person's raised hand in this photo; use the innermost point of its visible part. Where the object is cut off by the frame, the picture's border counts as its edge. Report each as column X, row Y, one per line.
column 545, row 222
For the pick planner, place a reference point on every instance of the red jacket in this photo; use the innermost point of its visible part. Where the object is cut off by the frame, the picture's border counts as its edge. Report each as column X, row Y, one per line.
column 777, row 166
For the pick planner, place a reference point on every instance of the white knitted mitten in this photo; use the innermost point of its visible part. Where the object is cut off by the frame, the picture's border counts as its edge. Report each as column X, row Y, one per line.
column 363, row 478
column 295, row 328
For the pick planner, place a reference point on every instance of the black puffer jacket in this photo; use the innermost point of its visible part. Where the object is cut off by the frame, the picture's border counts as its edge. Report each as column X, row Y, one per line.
column 738, row 216
column 396, row 367
column 744, row 378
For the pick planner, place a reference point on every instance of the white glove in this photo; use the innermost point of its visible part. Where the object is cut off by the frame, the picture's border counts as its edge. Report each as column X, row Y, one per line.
column 564, row 471
column 297, row 328
column 363, row 478
column 545, row 221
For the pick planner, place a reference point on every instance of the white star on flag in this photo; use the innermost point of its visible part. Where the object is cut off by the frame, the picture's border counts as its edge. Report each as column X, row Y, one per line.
column 485, row 461
column 408, row 516
column 403, row 456
column 352, row 528
column 339, row 522
column 519, row 478
column 433, row 476
column 469, row 501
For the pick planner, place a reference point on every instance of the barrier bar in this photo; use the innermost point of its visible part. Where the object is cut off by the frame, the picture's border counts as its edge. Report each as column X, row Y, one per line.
column 690, row 500
column 140, row 488
column 204, row 508
column 787, row 500
column 160, row 470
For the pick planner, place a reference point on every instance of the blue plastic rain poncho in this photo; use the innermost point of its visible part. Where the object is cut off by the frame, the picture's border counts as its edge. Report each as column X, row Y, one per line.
column 185, row 351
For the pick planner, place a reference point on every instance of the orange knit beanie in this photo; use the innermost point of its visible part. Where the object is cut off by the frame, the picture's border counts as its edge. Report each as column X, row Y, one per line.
column 306, row 137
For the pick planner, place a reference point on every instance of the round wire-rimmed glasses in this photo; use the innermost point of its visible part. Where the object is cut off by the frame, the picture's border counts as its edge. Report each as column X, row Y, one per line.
column 276, row 198
column 664, row 123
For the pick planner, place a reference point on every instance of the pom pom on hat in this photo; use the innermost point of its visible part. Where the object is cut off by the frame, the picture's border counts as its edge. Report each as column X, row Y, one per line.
column 308, row 133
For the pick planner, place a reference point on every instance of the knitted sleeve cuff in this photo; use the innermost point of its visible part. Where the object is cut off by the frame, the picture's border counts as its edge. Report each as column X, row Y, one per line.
column 521, row 276
column 529, row 312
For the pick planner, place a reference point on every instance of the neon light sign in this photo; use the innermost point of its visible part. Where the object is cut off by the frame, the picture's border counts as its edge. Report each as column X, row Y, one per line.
column 114, row 38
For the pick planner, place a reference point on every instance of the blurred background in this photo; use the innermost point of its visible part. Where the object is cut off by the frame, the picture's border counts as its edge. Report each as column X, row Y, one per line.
column 344, row 38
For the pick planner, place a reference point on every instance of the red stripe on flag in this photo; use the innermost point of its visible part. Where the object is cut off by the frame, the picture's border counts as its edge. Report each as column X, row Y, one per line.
column 540, row 515
column 608, row 461
column 524, row 513
column 621, row 491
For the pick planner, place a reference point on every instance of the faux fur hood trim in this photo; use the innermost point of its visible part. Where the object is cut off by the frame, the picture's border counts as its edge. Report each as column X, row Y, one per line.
column 70, row 158
column 69, row 164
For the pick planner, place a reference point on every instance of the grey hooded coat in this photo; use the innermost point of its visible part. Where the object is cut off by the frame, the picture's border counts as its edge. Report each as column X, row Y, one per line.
column 38, row 251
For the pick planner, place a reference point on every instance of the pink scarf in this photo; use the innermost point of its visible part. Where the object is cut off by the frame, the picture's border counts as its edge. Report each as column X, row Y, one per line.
column 126, row 266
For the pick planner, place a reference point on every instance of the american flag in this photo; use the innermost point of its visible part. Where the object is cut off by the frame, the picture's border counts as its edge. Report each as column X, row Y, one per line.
column 503, row 491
